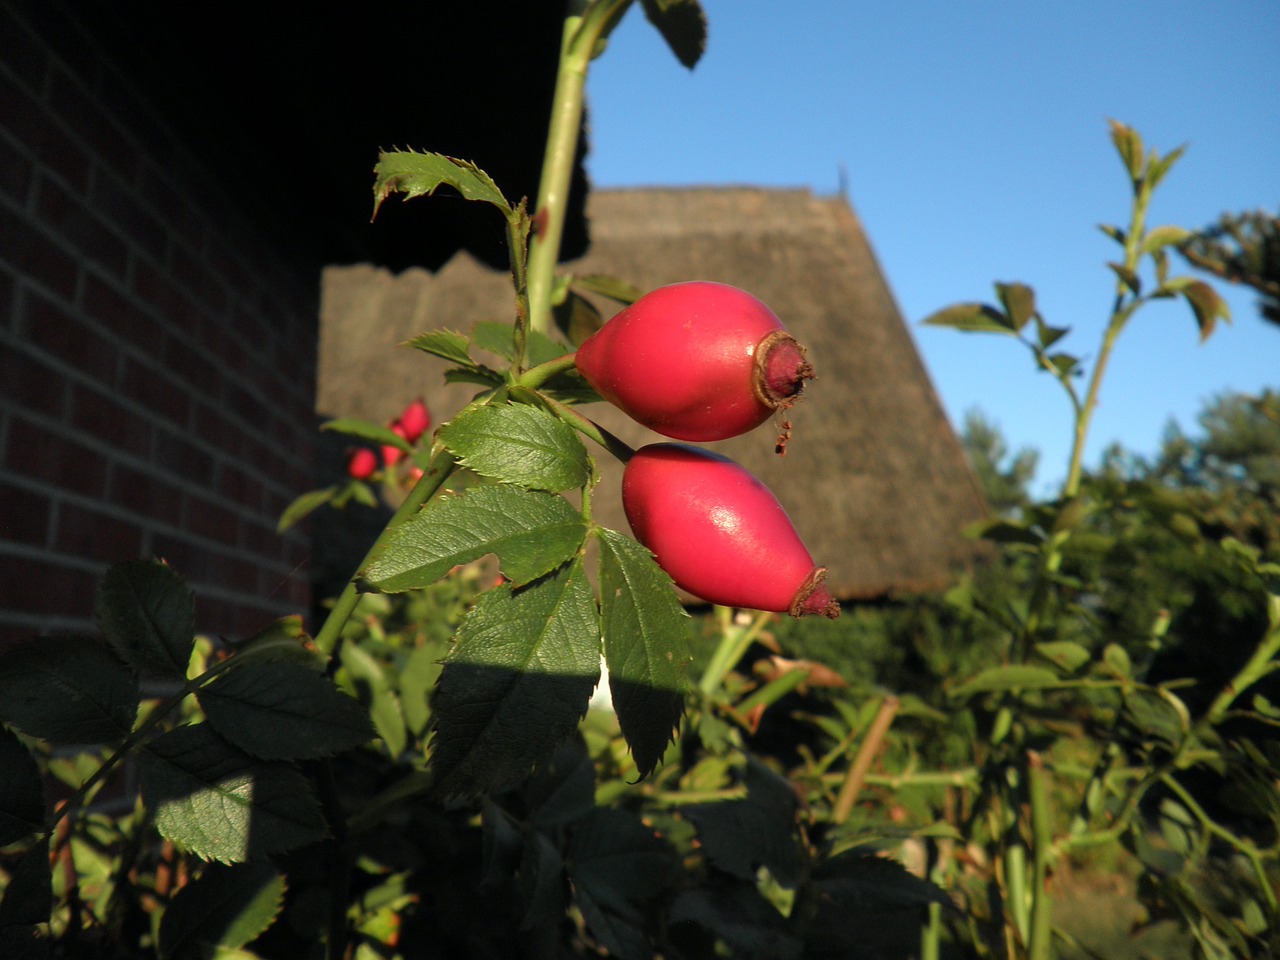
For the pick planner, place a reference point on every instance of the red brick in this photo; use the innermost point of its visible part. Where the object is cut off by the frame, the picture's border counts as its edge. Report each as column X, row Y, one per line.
column 16, row 170
column 188, row 559
column 155, row 391
column 76, row 223
column 94, row 125
column 238, row 485
column 110, row 307
column 25, row 518
column 212, row 520
column 145, row 494
column 19, row 52
column 119, row 205
column 156, row 190
column 39, row 454
column 29, row 382
column 45, row 141
column 59, row 333
column 175, row 453
column 91, row 535
column 34, row 255
column 190, row 272
column 192, row 366
column 97, row 413
column 233, row 573
column 48, row 588
column 154, row 288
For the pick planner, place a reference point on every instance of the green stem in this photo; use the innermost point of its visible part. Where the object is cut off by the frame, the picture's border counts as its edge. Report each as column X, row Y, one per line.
column 1042, row 850
column 590, row 429
column 438, row 470
column 734, row 641
column 578, row 45
column 535, row 377
column 1249, row 674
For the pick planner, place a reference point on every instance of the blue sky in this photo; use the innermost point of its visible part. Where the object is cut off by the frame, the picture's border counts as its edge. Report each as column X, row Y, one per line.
column 974, row 141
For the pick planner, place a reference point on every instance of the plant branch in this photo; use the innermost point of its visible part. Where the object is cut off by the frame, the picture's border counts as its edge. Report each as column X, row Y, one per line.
column 862, row 762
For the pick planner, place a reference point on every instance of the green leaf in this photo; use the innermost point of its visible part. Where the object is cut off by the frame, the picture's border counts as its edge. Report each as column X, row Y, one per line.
column 446, row 344
column 421, row 174
column 516, row 683
column 1004, row 531
column 577, row 317
column 497, row 338
column 1065, row 363
column 740, row 836
column 1162, row 165
column 1148, row 714
column 1206, row 305
column 368, row 431
column 646, row 646
column 1011, row 677
column 148, row 615
column 26, row 898
column 1160, row 237
column 1067, row 655
column 225, row 907
column 1019, row 302
column 419, row 675
column 531, row 532
column 1117, row 661
column 1114, row 232
column 971, row 318
column 1128, row 277
column 67, row 690
column 518, row 444
column 748, row 925
column 617, row 865
column 1047, row 336
column 682, row 24
column 853, row 882
column 617, row 290
column 1129, row 146
column 221, row 804
column 21, row 796
column 303, row 506
column 367, row 679
column 276, row 710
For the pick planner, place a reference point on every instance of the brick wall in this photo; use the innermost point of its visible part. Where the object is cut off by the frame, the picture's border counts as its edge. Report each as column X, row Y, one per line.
column 157, row 354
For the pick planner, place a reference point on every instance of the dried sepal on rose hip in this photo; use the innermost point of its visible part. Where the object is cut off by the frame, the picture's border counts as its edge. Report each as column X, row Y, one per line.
column 720, row 533
column 696, row 361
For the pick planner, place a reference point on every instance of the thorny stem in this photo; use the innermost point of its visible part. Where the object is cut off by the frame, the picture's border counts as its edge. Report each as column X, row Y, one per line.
column 438, row 470
column 577, row 47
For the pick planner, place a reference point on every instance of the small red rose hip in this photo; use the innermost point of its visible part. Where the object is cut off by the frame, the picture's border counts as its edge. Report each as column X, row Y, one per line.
column 719, row 532
column 415, row 419
column 361, row 463
column 696, row 361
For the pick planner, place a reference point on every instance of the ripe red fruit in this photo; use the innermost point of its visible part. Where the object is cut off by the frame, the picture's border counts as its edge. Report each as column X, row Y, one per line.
column 415, row 419
column 719, row 532
column 392, row 455
column 361, row 463
column 696, row 361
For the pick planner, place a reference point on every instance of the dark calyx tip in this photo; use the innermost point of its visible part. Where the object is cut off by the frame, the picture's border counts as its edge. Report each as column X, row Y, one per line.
column 813, row 597
column 781, row 370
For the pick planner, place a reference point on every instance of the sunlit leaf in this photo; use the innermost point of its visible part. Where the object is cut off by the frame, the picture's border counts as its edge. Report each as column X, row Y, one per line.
column 1011, row 677
column 421, row 174
column 446, row 344
column 519, row 444
column 1129, row 145
column 1158, row 238
column 531, row 532
column 971, row 318
column 1019, row 302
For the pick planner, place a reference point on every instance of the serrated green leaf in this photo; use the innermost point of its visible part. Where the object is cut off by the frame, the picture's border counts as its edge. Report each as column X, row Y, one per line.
column 539, row 348
column 497, row 338
column 224, row 908
column 446, row 344
column 26, row 898
column 518, row 444
column 1067, row 655
column 617, row 290
column 367, row 679
column 516, row 683
column 531, row 532
column 221, row 804
column 646, row 646
column 374, row 433
column 683, row 26
column 1158, row 238
column 421, row 174
column 740, row 836
column 1011, row 677
column 1129, row 145
column 479, row 374
column 1019, row 302
column 970, row 318
column 21, row 795
column 617, row 865
column 67, row 690
column 148, row 616
column 276, row 710
column 303, row 506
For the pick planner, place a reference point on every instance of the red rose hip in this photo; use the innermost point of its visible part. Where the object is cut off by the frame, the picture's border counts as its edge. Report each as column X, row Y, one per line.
column 719, row 532
column 696, row 361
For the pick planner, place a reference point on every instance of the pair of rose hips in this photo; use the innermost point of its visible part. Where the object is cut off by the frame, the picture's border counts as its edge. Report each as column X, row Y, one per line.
column 412, row 423
column 707, row 361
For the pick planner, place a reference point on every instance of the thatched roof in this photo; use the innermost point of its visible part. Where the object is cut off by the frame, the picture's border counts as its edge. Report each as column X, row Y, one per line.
column 874, row 477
